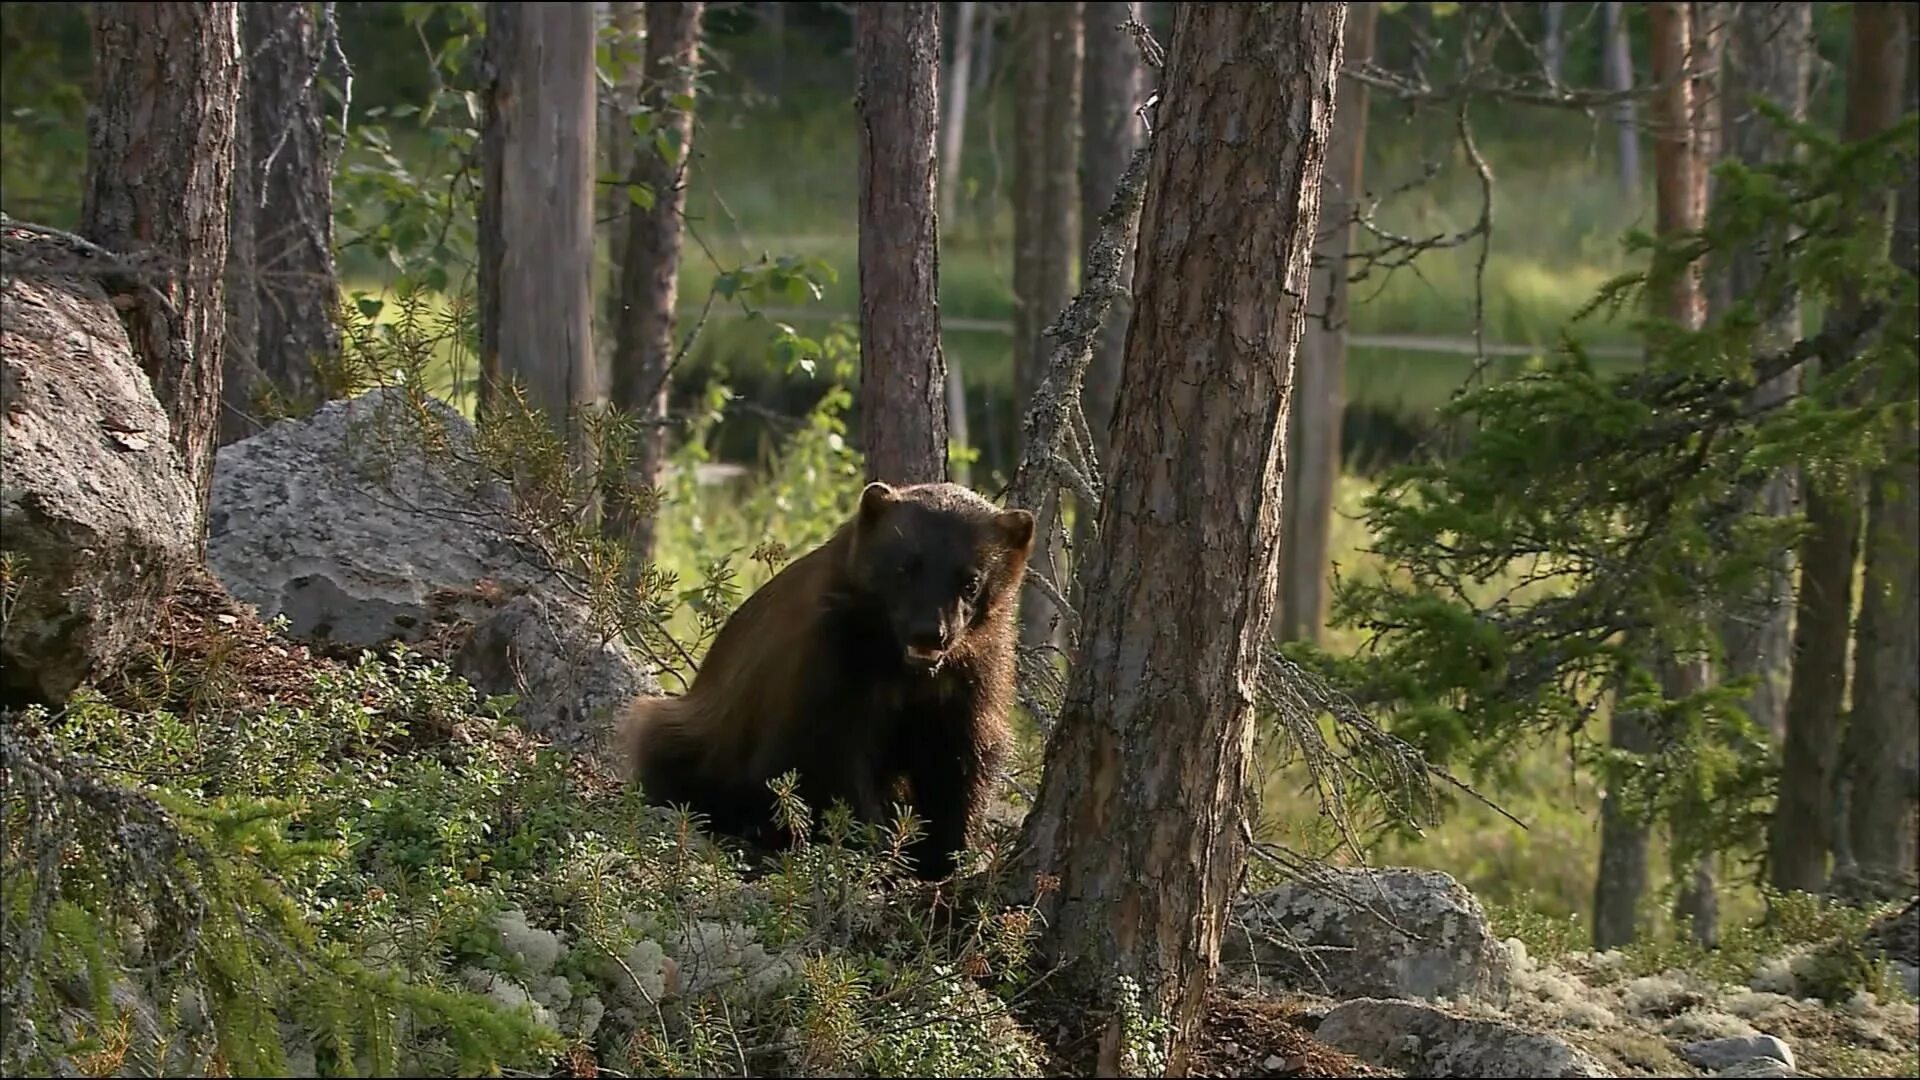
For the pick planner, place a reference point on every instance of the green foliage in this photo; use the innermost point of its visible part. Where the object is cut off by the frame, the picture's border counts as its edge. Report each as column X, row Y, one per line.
column 1593, row 522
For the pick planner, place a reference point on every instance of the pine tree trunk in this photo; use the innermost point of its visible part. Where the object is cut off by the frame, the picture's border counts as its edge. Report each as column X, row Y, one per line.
column 1882, row 748
column 1618, row 65
column 1768, row 57
column 1803, row 824
column 1057, row 251
column 1313, row 441
column 160, row 136
column 1032, row 28
column 903, row 375
column 1622, row 876
column 650, row 264
column 1139, row 817
column 283, row 294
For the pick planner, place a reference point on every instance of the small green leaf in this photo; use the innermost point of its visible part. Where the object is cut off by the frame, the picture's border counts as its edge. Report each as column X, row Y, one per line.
column 641, row 195
column 369, row 306
column 683, row 102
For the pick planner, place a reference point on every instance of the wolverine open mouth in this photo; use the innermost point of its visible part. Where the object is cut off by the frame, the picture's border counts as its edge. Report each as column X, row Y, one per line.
column 924, row 657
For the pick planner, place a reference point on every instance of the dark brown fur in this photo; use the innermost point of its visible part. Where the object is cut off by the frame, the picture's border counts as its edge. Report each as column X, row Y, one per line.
column 813, row 673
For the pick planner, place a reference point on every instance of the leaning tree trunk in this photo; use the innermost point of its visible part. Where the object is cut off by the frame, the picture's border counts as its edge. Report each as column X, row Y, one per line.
column 1313, row 438
column 1058, row 244
column 650, row 266
column 536, row 221
column 1802, row 832
column 903, row 376
column 1622, row 877
column 160, row 137
column 282, row 292
column 1139, row 817
column 1882, row 748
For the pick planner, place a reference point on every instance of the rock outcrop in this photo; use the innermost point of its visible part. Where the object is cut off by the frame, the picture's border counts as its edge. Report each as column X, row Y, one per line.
column 1392, row 933
column 97, row 514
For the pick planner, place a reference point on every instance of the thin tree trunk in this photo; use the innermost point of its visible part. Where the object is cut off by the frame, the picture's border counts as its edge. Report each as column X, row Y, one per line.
column 283, row 304
column 1804, row 814
column 1618, row 56
column 650, row 267
column 1056, row 249
column 902, row 372
column 959, row 90
column 1139, row 817
column 1313, row 444
column 160, row 136
column 954, row 121
column 1553, row 43
column 619, row 148
column 1110, row 132
column 1030, row 56
column 1622, row 876
column 1768, row 57
column 1882, row 747
column 536, row 292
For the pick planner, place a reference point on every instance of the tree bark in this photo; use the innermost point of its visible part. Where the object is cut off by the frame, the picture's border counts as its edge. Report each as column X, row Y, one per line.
column 1768, row 57
column 903, row 374
column 536, row 225
column 282, row 292
column 1803, row 824
column 1313, row 442
column 1030, row 57
column 650, row 264
column 160, row 138
column 1139, row 817
column 1882, row 748
column 1618, row 65
column 1679, row 192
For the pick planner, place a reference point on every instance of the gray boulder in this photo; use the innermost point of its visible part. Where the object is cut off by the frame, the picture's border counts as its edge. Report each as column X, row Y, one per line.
column 343, row 524
column 1393, row 933
column 1717, row 1054
column 1422, row 1040
column 95, row 505
column 1754, row 1068
column 571, row 681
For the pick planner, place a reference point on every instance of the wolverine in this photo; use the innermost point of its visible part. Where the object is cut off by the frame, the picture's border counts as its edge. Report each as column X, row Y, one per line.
column 882, row 659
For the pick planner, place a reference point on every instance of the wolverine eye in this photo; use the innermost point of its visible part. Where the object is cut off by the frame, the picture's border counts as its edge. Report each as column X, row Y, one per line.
column 970, row 582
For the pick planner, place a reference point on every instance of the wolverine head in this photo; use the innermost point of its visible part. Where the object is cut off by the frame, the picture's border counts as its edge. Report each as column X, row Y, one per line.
column 938, row 559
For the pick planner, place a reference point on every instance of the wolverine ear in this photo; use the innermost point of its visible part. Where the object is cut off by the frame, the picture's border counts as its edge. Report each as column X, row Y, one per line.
column 1016, row 528
column 876, row 498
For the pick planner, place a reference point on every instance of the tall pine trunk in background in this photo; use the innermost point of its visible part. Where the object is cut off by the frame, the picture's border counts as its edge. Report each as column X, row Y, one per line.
column 282, row 292
column 626, row 54
column 1139, row 816
column 650, row 263
column 953, row 120
column 1115, row 85
column 1056, row 252
column 1617, row 64
column 1881, row 753
column 536, row 219
column 1679, row 191
column 1803, row 822
column 1319, row 397
column 903, row 406
column 1768, row 58
column 160, row 135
